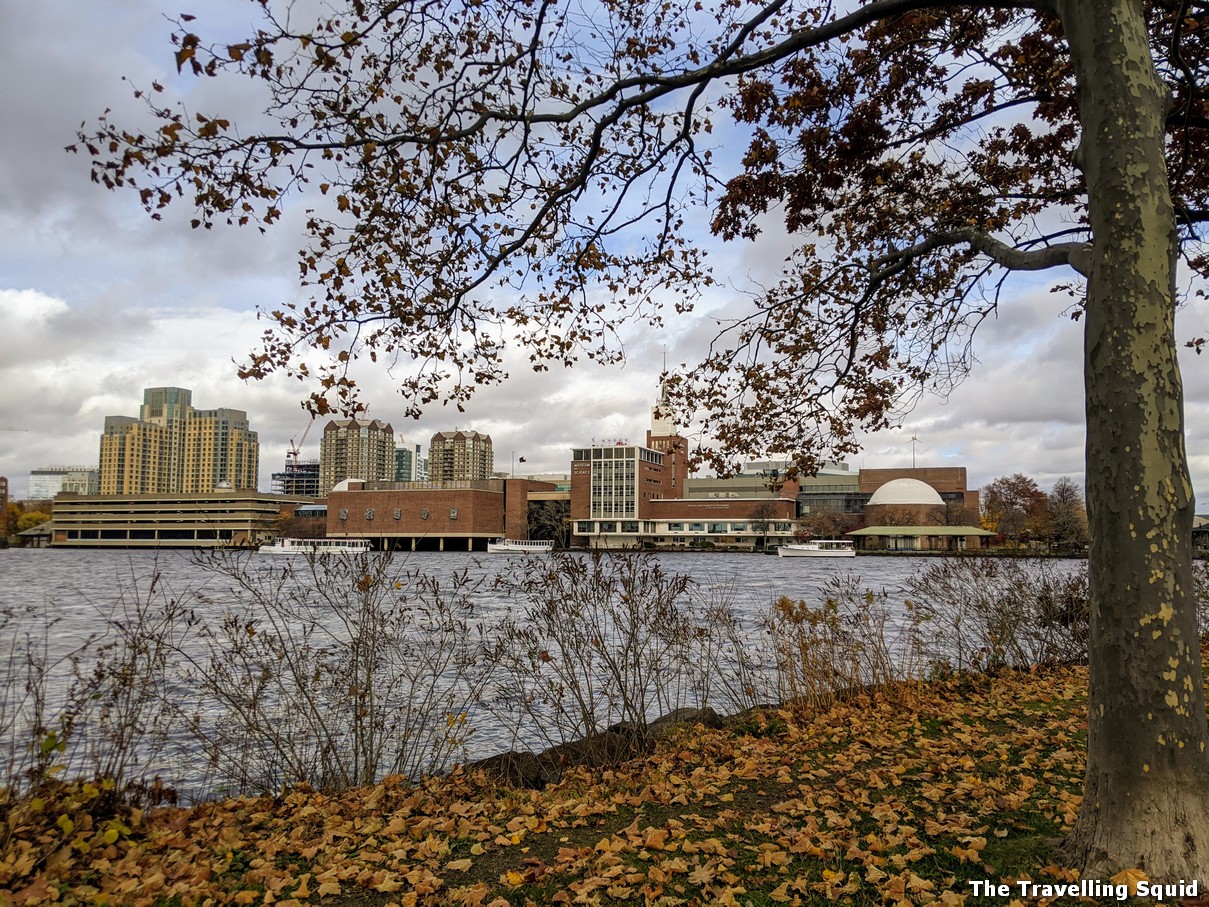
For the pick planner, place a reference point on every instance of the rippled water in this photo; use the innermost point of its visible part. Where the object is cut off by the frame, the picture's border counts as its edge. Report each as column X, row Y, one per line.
column 77, row 592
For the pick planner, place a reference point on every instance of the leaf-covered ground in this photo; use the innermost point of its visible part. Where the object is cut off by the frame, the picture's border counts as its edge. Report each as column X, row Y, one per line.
column 878, row 800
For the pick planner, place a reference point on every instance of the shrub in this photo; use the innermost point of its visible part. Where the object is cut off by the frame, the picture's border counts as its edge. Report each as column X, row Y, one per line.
column 985, row 613
column 335, row 671
column 609, row 640
column 850, row 641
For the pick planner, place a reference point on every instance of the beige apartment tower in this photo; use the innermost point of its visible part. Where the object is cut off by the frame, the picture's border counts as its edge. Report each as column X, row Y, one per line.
column 352, row 449
column 460, row 456
column 172, row 448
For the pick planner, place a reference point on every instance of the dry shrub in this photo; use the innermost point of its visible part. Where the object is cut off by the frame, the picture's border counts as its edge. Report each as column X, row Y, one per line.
column 606, row 640
column 853, row 641
column 334, row 671
column 986, row 613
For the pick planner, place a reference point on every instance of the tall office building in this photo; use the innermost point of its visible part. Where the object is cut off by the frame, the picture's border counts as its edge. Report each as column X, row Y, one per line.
column 47, row 481
column 171, row 448
column 460, row 456
column 410, row 463
column 351, row 449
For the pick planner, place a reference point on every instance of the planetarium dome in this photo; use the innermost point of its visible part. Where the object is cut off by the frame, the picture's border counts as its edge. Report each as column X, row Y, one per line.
column 906, row 493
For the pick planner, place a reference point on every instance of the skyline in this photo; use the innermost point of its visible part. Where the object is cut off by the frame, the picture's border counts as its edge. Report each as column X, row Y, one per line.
column 98, row 302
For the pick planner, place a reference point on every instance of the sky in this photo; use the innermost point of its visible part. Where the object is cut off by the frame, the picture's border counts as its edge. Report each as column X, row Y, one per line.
column 98, row 302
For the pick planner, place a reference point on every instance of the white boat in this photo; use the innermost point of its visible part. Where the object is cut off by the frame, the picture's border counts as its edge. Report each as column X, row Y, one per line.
column 819, row 548
column 316, row 546
column 519, row 546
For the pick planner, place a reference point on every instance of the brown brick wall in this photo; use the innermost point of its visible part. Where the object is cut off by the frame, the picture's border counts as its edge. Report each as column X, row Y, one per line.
column 500, row 511
column 478, row 512
column 581, row 489
column 942, row 478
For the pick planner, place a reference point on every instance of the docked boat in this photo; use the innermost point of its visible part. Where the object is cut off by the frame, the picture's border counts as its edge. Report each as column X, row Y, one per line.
column 289, row 546
column 519, row 546
column 819, row 548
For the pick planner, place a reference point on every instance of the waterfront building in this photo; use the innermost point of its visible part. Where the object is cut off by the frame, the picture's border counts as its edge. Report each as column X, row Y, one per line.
column 219, row 519
column 612, row 486
column 460, row 456
column 433, row 516
column 47, row 481
column 172, row 448
column 356, row 449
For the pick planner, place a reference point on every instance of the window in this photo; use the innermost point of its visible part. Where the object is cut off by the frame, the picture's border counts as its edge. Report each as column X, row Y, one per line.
column 717, row 527
column 696, row 527
column 675, row 527
column 629, row 525
column 584, row 527
column 608, row 526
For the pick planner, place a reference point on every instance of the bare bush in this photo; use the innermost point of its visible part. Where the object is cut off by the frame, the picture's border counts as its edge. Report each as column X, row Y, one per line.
column 335, row 671
column 984, row 613
column 34, row 729
column 98, row 710
column 606, row 640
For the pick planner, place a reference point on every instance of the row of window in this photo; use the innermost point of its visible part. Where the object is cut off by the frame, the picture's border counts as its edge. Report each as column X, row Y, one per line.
column 590, row 527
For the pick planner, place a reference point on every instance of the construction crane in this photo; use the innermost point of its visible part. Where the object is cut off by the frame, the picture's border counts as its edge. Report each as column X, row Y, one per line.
column 291, row 456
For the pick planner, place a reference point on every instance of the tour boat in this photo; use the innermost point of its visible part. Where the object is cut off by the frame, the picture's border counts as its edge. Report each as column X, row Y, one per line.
column 819, row 548
column 519, row 546
column 316, row 546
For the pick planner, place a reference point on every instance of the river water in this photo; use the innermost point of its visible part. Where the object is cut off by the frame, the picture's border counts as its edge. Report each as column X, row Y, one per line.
column 56, row 599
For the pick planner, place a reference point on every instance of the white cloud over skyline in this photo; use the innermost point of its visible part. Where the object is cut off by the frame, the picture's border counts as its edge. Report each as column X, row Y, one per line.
column 97, row 302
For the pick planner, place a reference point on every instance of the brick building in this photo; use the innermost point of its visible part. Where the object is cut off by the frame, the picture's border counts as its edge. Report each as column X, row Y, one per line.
column 429, row 516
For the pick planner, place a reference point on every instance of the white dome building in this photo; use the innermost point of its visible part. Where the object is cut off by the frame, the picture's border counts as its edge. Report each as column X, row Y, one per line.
column 906, row 493
column 909, row 515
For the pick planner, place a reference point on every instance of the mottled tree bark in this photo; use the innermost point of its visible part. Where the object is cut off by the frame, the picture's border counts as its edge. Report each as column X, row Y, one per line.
column 1146, row 796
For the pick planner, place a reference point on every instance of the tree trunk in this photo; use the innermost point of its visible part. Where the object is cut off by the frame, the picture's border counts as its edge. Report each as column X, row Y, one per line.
column 1146, row 796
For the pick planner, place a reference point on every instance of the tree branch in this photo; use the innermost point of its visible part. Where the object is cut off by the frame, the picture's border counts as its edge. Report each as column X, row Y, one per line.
column 1073, row 254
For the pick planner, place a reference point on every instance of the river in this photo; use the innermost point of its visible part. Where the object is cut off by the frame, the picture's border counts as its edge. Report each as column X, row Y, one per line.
column 56, row 599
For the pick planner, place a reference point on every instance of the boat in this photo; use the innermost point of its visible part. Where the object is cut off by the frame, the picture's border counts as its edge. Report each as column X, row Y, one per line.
column 819, row 548
column 289, row 546
column 519, row 546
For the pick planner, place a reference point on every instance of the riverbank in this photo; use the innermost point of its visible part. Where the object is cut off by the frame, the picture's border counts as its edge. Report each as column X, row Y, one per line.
column 904, row 797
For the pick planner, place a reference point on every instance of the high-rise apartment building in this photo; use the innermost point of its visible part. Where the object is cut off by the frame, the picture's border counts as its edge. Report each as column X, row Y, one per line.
column 460, row 456
column 221, row 451
column 352, row 449
column 172, row 448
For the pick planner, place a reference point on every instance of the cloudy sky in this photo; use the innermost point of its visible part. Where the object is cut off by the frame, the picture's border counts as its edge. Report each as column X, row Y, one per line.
column 97, row 302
